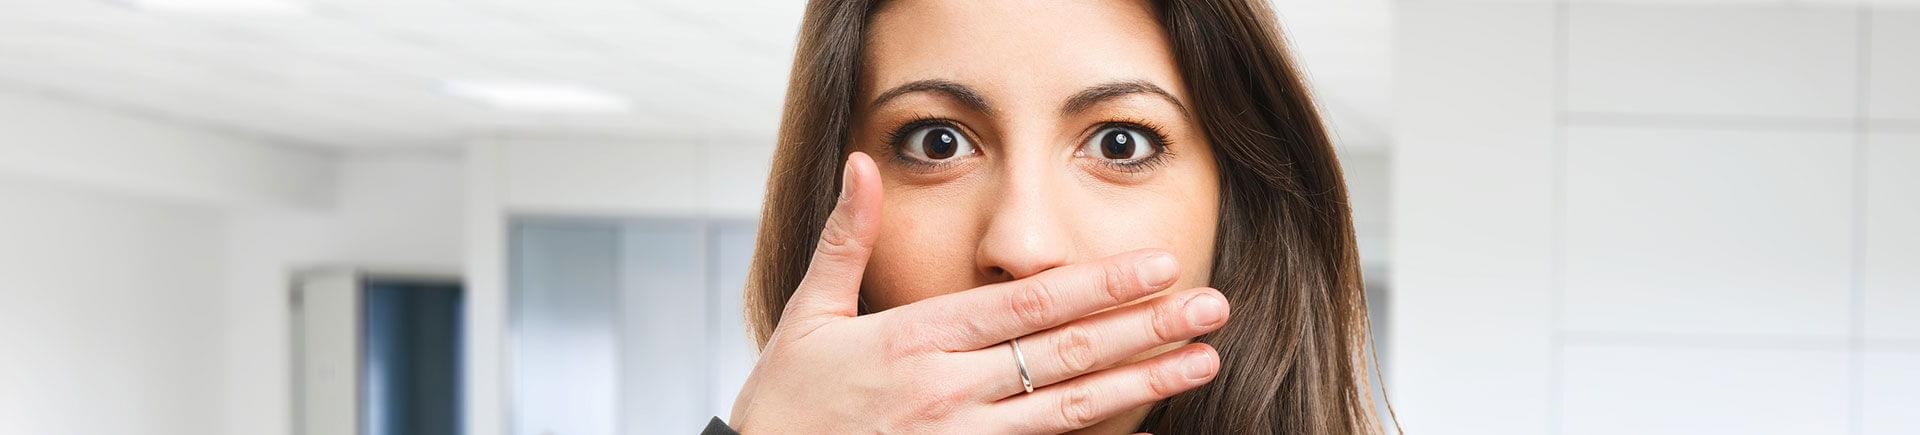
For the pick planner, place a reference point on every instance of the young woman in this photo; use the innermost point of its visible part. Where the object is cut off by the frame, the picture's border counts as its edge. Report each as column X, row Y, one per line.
column 1004, row 216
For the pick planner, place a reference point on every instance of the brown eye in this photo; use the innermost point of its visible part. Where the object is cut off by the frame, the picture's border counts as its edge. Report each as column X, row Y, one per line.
column 1121, row 144
column 936, row 143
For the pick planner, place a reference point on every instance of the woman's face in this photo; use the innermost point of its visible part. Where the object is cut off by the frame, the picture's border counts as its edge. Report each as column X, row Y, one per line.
column 1017, row 136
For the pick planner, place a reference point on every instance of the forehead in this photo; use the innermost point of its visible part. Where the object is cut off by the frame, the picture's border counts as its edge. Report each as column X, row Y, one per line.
column 1015, row 48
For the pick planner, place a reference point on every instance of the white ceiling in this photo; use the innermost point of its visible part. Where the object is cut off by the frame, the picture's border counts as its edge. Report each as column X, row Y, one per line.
column 371, row 74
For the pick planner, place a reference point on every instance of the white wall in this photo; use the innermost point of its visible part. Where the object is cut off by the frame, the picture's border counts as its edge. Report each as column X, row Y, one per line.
column 720, row 177
column 1656, row 218
column 109, row 308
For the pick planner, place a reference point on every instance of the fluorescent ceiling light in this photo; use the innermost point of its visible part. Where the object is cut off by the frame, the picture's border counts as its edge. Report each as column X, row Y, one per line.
column 224, row 7
column 537, row 96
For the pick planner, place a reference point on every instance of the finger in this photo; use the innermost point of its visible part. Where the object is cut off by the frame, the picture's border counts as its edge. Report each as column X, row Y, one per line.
column 988, row 315
column 832, row 283
column 1090, row 399
column 1108, row 338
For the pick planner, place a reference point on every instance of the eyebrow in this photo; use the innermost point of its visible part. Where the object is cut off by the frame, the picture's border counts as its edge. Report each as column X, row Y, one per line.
column 1080, row 102
column 1108, row 91
column 966, row 95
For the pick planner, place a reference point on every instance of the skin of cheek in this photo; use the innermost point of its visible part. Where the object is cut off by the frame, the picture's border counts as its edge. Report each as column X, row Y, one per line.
column 1179, row 218
column 925, row 245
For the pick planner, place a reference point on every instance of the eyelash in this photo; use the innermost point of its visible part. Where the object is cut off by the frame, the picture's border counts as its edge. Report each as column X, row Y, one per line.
column 1153, row 133
column 897, row 137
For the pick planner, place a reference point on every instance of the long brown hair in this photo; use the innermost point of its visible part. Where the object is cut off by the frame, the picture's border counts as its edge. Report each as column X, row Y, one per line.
column 1294, row 358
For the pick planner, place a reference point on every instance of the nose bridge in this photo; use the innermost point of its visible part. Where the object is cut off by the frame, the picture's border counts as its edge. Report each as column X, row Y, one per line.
column 1025, row 229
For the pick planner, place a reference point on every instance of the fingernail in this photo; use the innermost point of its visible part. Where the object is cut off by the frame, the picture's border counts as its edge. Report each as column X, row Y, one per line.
column 1205, row 310
column 1196, row 365
column 846, row 179
column 1156, row 270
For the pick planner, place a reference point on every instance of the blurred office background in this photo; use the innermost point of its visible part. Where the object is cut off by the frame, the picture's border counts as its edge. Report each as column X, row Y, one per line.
column 504, row 217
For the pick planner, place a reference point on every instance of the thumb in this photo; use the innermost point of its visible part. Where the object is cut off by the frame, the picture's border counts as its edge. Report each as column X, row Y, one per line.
column 832, row 283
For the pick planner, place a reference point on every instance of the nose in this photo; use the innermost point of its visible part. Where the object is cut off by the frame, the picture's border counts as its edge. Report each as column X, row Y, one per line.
column 1024, row 233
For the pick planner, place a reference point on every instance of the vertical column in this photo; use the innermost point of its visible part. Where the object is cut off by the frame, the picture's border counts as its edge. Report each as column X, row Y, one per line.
column 486, row 274
column 1890, row 323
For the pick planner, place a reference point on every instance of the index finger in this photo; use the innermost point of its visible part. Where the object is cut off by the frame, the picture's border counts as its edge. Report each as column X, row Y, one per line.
column 994, row 313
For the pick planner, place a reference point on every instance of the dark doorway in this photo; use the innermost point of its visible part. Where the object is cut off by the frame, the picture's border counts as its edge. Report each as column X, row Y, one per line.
column 413, row 339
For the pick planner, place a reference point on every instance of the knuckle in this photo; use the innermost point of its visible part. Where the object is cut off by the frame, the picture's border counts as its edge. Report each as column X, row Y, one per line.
column 923, row 335
column 1166, row 322
column 1074, row 349
column 954, row 393
column 906, row 340
column 1076, row 407
column 959, row 323
column 1160, row 381
column 835, row 248
column 936, row 402
column 1033, row 303
column 1119, row 280
column 950, row 337
column 837, row 239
